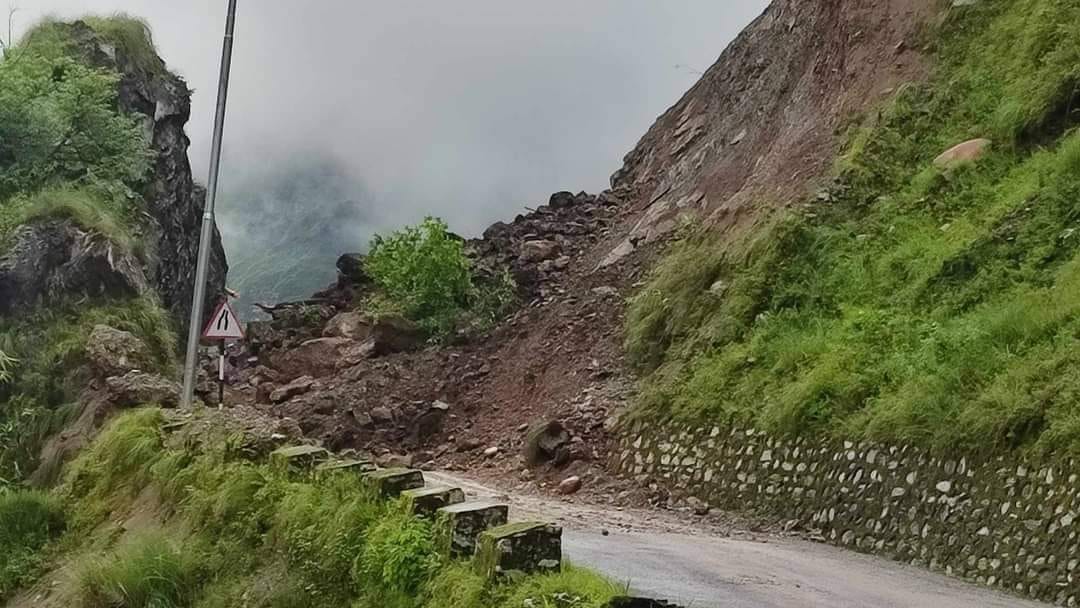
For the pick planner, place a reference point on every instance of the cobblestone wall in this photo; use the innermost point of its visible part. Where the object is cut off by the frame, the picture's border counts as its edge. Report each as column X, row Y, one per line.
column 1003, row 522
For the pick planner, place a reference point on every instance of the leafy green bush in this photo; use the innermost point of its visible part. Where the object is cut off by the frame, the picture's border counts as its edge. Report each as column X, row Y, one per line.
column 28, row 520
column 424, row 274
column 422, row 269
column 148, row 572
column 399, row 558
column 912, row 304
column 59, row 122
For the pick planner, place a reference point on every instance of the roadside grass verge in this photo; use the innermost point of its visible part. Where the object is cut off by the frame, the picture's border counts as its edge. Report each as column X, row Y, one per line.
column 909, row 304
column 239, row 529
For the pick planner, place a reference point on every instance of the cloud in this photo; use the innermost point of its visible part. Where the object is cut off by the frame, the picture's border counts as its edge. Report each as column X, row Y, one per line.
column 469, row 109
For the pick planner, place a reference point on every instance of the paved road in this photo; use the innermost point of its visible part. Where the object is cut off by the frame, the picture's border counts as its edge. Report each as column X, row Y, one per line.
column 701, row 569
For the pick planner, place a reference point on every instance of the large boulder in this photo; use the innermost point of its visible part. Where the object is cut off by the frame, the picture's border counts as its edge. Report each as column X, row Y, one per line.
column 384, row 335
column 137, row 388
column 297, row 387
column 113, row 352
column 317, row 358
column 351, row 269
column 538, row 251
column 351, row 325
column 547, row 442
column 54, row 260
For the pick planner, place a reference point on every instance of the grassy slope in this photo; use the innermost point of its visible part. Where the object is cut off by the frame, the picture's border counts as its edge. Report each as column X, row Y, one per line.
column 913, row 305
column 236, row 533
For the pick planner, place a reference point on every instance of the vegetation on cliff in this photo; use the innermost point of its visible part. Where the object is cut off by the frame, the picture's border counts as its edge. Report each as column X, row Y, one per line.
column 909, row 302
column 67, row 152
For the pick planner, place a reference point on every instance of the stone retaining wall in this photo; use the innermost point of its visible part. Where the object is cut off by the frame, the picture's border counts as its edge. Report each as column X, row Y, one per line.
column 1003, row 522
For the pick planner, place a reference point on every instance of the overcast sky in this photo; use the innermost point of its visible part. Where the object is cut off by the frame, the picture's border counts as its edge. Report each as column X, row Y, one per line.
column 469, row 109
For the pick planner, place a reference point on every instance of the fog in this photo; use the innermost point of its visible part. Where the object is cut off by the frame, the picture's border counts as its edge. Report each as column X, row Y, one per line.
column 468, row 109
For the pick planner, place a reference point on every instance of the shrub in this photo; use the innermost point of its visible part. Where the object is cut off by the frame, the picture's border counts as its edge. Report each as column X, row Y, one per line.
column 148, row 572
column 424, row 274
column 59, row 122
column 400, row 557
column 28, row 520
column 423, row 269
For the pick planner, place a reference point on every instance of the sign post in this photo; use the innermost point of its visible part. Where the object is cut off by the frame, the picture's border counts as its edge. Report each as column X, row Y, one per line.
column 206, row 238
column 223, row 326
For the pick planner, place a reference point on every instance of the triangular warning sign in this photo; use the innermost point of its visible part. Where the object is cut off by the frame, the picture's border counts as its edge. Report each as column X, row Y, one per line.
column 223, row 324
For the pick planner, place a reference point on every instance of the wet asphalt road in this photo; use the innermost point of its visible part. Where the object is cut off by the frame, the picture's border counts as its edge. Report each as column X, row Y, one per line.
column 702, row 569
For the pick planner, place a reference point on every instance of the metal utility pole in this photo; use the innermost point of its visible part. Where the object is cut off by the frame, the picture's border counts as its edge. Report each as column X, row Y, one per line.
column 207, row 237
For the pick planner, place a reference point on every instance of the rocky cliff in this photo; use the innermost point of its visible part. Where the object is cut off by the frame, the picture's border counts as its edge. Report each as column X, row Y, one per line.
column 51, row 261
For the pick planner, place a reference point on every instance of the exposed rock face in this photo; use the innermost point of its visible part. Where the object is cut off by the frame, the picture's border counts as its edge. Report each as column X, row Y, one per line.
column 761, row 124
column 174, row 203
column 53, row 259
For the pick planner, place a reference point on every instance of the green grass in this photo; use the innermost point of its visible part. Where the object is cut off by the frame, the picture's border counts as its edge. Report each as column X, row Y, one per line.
column 87, row 210
column 28, row 520
column 148, row 572
column 234, row 528
column 914, row 305
column 50, row 346
column 132, row 38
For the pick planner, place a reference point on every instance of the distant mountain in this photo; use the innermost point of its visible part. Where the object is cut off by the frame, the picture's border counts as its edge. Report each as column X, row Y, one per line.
column 284, row 227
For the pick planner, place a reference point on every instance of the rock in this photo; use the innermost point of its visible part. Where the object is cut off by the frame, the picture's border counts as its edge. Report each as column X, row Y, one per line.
column 381, row 415
column 137, row 388
column 295, row 388
column 263, row 392
column 430, row 421
column 113, row 352
column 734, row 141
column 469, row 445
column 719, row 288
column 659, row 220
column 161, row 102
column 544, row 443
column 962, row 154
column 351, row 267
column 317, row 358
column 570, row 485
column 393, row 334
column 351, row 325
column 606, row 291
column 538, row 251
column 491, row 452
column 562, row 200
column 57, row 260
column 616, row 255
column 698, row 506
column 395, row 461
